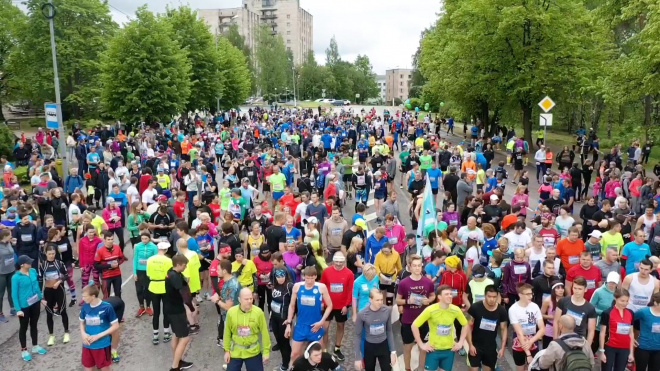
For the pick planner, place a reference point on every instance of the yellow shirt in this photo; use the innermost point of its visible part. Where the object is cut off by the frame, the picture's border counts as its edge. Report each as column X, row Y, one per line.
column 419, row 143
column 242, row 330
column 245, row 278
column 387, row 264
column 192, row 271
column 98, row 222
column 441, row 324
column 157, row 267
column 254, row 244
column 610, row 240
column 164, row 181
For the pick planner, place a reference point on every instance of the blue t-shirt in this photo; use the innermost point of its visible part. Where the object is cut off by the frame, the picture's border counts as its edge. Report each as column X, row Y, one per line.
column 98, row 319
column 361, row 288
column 634, row 254
column 294, row 234
column 193, row 245
column 327, row 140
column 649, row 334
column 434, row 175
column 432, row 270
column 93, row 157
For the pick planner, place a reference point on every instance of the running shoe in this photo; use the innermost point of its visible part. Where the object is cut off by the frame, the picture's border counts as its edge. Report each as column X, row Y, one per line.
column 461, row 352
column 275, row 347
column 183, row 365
column 51, row 340
column 280, row 368
column 219, row 343
column 194, row 330
column 115, row 356
column 150, row 311
column 3, row 319
column 72, row 303
column 167, row 337
column 340, row 356
column 155, row 340
column 38, row 350
column 140, row 313
column 26, row 356
column 12, row 311
column 66, row 338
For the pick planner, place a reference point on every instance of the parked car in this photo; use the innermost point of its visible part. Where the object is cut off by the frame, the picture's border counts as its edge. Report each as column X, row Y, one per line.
column 347, row 102
column 338, row 102
column 327, row 100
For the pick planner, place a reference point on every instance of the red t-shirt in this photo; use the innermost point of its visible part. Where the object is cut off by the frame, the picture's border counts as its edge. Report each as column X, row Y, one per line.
column 263, row 268
column 592, row 275
column 340, row 286
column 618, row 327
column 215, row 209
column 458, row 282
column 550, row 236
column 179, row 208
column 105, row 256
column 144, row 182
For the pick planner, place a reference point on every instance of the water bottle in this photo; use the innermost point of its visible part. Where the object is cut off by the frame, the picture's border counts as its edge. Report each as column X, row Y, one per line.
column 91, row 282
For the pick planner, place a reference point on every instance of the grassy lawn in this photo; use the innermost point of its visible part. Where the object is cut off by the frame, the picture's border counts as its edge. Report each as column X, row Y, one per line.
column 310, row 104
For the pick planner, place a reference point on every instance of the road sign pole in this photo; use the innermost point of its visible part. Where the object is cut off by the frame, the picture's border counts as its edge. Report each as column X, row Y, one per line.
column 58, row 99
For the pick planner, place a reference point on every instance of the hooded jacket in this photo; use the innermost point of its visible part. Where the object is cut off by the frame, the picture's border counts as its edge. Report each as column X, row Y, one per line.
column 553, row 355
column 511, row 279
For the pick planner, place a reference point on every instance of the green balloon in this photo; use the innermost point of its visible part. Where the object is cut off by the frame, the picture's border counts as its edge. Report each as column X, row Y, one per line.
column 442, row 104
column 407, row 101
column 426, row 107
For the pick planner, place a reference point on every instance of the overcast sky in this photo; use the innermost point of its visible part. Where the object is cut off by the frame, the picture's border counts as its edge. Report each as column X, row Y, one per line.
column 385, row 30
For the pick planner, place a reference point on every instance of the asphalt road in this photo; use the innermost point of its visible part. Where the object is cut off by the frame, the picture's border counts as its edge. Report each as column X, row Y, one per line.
column 136, row 349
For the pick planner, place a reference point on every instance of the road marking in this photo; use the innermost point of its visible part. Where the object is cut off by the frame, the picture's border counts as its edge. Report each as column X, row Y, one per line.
column 128, row 279
column 370, row 202
column 370, row 217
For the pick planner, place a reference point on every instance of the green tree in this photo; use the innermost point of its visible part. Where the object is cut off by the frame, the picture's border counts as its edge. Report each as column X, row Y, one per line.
column 332, row 56
column 194, row 37
column 238, row 41
column 365, row 79
column 82, row 31
column 145, row 73
column 236, row 74
column 11, row 19
column 272, row 62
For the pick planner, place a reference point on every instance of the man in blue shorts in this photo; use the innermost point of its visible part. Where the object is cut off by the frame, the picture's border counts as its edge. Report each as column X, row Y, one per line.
column 308, row 297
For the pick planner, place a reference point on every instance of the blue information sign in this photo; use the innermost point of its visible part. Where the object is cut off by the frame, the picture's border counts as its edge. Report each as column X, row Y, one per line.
column 51, row 116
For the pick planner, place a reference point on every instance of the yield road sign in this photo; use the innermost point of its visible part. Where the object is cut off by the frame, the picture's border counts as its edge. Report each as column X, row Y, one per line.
column 545, row 119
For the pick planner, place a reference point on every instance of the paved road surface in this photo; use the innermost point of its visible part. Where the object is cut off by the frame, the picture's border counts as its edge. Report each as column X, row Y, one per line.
column 136, row 349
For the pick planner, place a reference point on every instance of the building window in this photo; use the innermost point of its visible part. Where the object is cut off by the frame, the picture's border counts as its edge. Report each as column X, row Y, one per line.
column 288, row 24
column 401, row 76
column 288, row 41
column 288, row 48
column 288, row 32
column 288, row 16
column 408, row 76
column 400, row 90
column 400, row 83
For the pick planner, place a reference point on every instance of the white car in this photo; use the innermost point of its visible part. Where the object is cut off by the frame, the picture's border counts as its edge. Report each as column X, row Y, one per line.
column 347, row 102
column 327, row 100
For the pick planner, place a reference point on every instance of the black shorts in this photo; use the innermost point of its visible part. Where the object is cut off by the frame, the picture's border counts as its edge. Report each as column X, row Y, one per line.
column 388, row 288
column 347, row 178
column 487, row 358
column 434, row 191
column 266, row 187
column 179, row 324
column 204, row 265
column 337, row 316
column 520, row 358
column 407, row 335
column 389, row 178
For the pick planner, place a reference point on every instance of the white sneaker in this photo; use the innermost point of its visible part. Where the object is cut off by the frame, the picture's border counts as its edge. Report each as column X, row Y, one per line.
column 207, row 296
column 198, row 298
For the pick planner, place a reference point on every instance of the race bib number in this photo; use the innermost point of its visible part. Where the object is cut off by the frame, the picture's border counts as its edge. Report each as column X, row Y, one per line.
column 244, row 331
column 529, row 328
column 308, row 300
column 336, row 287
column 591, row 284
column 574, row 259
column 623, row 328
column 478, row 298
column 443, row 330
column 62, row 248
column 393, row 240
column 576, row 316
column 26, row 237
column 488, row 324
column 250, row 173
column 417, row 299
column 519, row 269
column 640, row 300
column 265, row 278
column 453, row 222
column 276, row 307
column 93, row 321
column 9, row 261
column 377, row 329
column 655, row 328
column 454, row 293
column 336, row 231
column 360, row 180
column 51, row 276
column 142, row 261
column 365, row 287
column 33, row 299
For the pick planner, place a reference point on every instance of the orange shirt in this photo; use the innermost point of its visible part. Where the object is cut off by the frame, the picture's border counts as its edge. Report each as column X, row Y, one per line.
column 549, row 157
column 121, row 137
column 185, row 147
column 468, row 165
column 389, row 140
column 569, row 252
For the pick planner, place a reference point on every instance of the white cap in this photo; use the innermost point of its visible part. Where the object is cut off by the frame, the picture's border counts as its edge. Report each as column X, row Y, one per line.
column 494, row 198
column 596, row 233
column 163, row 245
column 613, row 277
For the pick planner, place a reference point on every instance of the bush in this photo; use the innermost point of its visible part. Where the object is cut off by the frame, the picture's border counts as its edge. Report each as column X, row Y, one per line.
column 417, row 102
column 7, row 138
column 21, row 173
column 398, row 102
column 36, row 123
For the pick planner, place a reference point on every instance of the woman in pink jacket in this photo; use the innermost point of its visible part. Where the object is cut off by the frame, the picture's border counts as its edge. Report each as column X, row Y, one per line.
column 635, row 189
column 610, row 187
column 521, row 199
column 395, row 234
column 112, row 216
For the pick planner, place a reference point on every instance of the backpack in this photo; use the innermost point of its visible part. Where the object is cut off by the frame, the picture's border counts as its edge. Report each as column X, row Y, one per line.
column 574, row 358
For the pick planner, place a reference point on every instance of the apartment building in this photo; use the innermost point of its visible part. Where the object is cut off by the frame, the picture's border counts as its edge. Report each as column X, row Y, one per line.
column 381, row 82
column 397, row 83
column 283, row 17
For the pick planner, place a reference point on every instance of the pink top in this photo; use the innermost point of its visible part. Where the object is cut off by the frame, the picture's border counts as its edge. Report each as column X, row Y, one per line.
column 610, row 187
column 396, row 236
column 109, row 213
column 522, row 200
column 548, row 324
column 635, row 187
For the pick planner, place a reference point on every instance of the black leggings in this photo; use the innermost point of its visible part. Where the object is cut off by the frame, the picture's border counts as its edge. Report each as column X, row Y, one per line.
column 156, row 299
column 265, row 296
column 142, row 289
column 377, row 352
column 278, row 327
column 55, row 299
column 647, row 360
column 30, row 318
column 617, row 359
column 112, row 282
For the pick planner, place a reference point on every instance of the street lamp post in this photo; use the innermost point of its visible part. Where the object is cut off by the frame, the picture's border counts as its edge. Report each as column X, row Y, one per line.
column 295, row 103
column 58, row 98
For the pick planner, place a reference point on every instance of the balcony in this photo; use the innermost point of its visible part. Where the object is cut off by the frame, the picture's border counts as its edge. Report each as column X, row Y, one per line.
column 269, row 16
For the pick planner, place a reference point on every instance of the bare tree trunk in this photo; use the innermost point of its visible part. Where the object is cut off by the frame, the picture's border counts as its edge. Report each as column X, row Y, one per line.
column 527, row 120
column 598, row 110
column 648, row 110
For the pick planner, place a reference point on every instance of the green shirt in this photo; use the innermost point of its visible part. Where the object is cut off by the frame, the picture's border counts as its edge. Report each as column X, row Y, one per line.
column 225, row 195
column 237, row 207
column 277, row 181
column 403, row 156
column 242, row 330
column 193, row 154
column 348, row 164
column 295, row 138
column 425, row 162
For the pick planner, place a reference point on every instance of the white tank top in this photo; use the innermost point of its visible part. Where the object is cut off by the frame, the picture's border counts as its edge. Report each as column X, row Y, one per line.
column 640, row 294
column 648, row 223
column 534, row 258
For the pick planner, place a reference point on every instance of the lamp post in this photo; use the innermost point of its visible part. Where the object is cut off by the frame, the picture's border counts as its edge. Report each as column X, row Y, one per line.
column 295, row 103
column 58, row 98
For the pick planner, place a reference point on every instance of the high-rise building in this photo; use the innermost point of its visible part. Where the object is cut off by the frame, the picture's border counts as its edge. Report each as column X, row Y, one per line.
column 397, row 81
column 283, row 17
column 381, row 82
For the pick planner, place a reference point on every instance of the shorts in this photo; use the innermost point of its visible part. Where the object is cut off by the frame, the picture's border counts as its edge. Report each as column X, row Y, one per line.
column 347, row 178
column 277, row 195
column 520, row 358
column 390, row 179
column 407, row 335
column 434, row 191
column 337, row 316
column 204, row 265
column 266, row 187
column 443, row 359
column 487, row 358
column 387, row 288
column 96, row 358
column 179, row 324
column 303, row 332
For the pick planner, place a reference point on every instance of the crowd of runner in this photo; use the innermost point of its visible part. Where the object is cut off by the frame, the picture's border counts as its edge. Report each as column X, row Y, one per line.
column 245, row 209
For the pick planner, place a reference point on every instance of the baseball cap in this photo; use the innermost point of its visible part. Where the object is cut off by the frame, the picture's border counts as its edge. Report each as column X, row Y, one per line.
column 361, row 223
column 613, row 277
column 163, row 245
column 338, row 257
column 24, row 259
column 161, row 198
column 494, row 197
column 109, row 200
column 596, row 233
column 478, row 271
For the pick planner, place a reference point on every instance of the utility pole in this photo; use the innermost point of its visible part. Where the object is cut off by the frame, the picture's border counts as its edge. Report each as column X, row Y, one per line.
column 58, row 98
column 295, row 102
